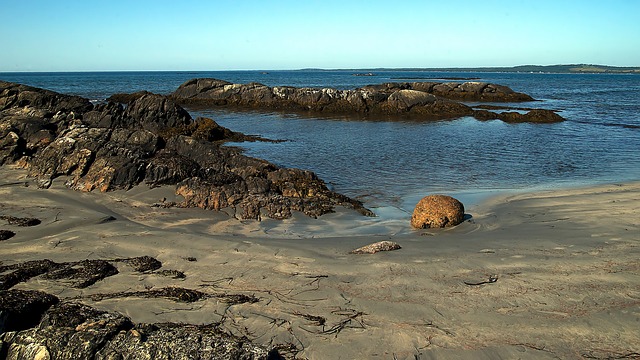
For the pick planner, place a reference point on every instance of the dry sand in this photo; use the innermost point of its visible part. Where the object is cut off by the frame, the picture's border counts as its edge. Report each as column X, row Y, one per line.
column 567, row 265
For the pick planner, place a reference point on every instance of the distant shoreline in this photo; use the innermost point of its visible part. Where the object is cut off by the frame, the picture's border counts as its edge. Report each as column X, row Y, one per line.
column 553, row 69
column 546, row 69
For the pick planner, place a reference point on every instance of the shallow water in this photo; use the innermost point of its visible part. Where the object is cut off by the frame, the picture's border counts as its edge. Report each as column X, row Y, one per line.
column 391, row 164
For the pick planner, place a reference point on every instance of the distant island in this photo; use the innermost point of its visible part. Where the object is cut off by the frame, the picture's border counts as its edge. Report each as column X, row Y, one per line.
column 560, row 69
column 571, row 68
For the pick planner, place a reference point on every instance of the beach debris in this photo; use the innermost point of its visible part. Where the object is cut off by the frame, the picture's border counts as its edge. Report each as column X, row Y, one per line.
column 351, row 318
column 314, row 319
column 437, row 211
column 377, row 247
column 6, row 234
column 492, row 279
column 12, row 220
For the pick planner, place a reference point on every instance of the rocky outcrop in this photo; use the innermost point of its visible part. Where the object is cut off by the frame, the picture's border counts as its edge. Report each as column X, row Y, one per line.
column 424, row 100
column 151, row 140
column 437, row 211
column 67, row 330
column 37, row 325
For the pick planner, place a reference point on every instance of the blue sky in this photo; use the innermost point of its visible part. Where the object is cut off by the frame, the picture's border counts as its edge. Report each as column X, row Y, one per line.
column 92, row 35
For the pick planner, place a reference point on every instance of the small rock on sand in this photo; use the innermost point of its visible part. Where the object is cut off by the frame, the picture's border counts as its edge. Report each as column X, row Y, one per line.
column 377, row 247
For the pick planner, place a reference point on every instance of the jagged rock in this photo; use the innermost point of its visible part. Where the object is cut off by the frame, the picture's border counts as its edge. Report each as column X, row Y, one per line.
column 377, row 247
column 155, row 112
column 153, row 140
column 17, row 95
column 437, row 211
column 169, row 168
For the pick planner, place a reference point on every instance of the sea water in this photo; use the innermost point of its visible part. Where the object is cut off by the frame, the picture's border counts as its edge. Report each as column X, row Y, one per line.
column 390, row 164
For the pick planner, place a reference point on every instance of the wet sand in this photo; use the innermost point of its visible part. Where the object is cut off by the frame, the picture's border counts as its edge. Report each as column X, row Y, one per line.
column 552, row 274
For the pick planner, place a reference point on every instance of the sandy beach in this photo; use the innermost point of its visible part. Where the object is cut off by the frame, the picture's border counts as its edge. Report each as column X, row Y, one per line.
column 553, row 274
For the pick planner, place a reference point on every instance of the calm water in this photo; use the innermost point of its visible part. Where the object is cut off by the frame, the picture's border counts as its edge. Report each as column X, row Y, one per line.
column 391, row 164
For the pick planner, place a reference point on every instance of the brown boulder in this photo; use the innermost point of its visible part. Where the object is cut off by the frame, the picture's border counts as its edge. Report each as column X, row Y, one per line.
column 437, row 211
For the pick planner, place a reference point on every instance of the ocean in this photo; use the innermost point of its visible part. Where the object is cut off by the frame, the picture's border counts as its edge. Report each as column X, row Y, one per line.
column 391, row 164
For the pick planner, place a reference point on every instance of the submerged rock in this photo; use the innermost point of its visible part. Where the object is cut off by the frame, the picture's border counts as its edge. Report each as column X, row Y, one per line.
column 437, row 211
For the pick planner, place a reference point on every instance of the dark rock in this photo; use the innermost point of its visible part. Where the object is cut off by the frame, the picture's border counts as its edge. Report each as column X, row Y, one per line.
column 79, row 274
column 106, row 219
column 154, row 113
column 12, row 220
column 11, row 275
column 437, row 211
column 125, row 98
column 6, row 234
column 143, row 263
column 533, row 116
column 23, row 309
column 34, row 324
column 82, row 274
column 23, row 96
column 174, row 274
column 169, row 168
column 67, row 331
column 107, row 115
column 11, row 146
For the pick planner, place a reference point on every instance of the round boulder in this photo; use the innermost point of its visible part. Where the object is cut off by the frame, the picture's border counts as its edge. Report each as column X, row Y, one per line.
column 437, row 211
